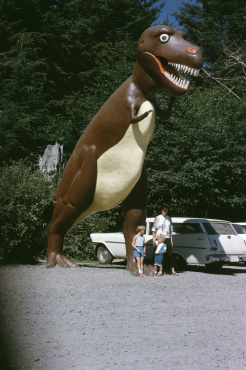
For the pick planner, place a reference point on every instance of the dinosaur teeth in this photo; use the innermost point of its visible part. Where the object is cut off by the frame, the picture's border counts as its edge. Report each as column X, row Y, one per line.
column 180, row 81
column 190, row 70
column 177, row 80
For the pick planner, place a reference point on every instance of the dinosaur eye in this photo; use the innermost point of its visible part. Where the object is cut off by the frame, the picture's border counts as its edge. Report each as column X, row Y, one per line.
column 164, row 38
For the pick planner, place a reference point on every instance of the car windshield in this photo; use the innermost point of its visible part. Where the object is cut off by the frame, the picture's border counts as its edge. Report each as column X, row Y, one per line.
column 239, row 229
column 214, row 228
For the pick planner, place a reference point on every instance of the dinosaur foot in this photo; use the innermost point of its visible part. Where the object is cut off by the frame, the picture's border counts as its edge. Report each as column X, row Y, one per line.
column 149, row 270
column 132, row 268
column 60, row 260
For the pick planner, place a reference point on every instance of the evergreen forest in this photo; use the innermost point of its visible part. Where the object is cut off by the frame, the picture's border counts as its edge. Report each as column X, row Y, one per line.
column 60, row 60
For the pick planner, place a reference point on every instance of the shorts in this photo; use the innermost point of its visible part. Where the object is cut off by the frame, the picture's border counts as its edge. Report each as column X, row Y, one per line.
column 158, row 259
column 136, row 254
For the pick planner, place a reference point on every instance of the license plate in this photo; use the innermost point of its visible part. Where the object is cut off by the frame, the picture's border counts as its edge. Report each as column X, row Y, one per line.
column 234, row 259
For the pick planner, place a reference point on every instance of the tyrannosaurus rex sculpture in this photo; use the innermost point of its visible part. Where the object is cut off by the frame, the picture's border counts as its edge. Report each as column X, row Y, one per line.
column 107, row 164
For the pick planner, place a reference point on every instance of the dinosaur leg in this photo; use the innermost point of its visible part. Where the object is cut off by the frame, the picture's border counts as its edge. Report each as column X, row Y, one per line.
column 135, row 205
column 77, row 199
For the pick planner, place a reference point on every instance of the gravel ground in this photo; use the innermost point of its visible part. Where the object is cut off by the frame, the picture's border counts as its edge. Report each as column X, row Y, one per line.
column 103, row 318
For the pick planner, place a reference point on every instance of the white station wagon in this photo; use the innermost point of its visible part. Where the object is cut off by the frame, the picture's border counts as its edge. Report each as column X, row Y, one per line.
column 196, row 241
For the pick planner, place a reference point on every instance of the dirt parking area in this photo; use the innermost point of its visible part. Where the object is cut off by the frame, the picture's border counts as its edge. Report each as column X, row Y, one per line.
column 97, row 318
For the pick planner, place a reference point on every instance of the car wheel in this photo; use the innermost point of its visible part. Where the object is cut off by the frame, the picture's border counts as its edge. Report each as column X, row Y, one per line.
column 103, row 255
column 179, row 262
column 214, row 266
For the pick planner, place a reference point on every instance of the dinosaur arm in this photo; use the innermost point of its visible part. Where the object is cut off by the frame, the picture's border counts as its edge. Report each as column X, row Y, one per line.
column 133, row 114
column 164, row 114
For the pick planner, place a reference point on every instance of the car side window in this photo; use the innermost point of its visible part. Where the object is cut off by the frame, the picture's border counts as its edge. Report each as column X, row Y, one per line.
column 187, row 228
column 239, row 229
column 217, row 228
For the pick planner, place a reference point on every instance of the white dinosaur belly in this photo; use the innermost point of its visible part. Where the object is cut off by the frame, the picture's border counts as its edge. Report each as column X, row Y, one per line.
column 120, row 167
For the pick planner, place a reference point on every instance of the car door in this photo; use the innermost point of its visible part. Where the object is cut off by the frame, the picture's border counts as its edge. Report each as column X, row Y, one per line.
column 190, row 242
column 120, row 246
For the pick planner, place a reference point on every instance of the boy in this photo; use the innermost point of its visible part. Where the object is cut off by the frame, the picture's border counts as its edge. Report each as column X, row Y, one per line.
column 161, row 248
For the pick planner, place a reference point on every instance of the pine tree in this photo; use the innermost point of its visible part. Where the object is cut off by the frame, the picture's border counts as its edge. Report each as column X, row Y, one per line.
column 219, row 28
column 52, row 55
column 197, row 160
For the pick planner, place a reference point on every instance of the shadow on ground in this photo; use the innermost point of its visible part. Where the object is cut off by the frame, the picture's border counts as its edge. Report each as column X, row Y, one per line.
column 226, row 270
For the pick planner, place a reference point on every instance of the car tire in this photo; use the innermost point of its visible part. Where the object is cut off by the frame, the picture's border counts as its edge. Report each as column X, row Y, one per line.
column 179, row 262
column 103, row 255
column 213, row 267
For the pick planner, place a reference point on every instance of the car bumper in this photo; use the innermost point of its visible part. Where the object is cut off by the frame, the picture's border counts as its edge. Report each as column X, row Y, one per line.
column 226, row 258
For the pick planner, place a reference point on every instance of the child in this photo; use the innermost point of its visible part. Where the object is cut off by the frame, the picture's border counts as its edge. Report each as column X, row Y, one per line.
column 138, row 244
column 160, row 249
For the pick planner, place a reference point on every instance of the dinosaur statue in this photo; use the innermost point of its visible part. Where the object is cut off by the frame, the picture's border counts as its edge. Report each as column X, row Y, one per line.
column 107, row 164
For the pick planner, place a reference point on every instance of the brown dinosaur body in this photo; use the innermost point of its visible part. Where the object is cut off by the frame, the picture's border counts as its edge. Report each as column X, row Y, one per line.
column 107, row 165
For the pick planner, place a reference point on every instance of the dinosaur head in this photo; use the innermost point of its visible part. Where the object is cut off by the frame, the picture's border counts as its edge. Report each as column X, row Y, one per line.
column 163, row 52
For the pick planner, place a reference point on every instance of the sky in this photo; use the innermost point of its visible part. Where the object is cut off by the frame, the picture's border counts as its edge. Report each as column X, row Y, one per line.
column 171, row 6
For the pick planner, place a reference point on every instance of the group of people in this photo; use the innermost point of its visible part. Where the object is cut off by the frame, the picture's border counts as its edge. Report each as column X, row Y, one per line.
column 162, row 243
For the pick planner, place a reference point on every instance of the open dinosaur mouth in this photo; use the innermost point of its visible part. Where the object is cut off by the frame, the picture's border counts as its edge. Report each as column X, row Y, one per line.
column 170, row 70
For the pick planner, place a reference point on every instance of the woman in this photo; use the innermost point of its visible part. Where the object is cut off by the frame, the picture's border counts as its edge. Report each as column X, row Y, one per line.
column 163, row 225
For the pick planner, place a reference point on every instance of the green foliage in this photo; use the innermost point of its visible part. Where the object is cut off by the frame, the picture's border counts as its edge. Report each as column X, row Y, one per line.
column 52, row 55
column 77, row 242
column 196, row 161
column 201, row 150
column 211, row 23
column 24, row 195
column 61, row 60
column 219, row 28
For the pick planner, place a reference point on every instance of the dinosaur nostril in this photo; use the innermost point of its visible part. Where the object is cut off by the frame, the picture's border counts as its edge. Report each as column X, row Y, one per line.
column 191, row 49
